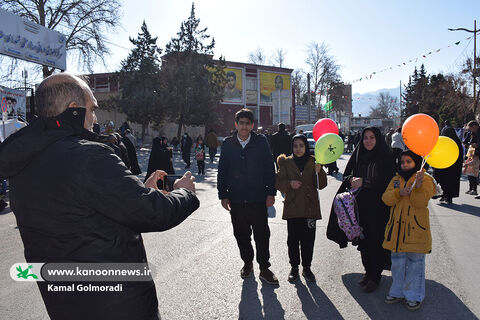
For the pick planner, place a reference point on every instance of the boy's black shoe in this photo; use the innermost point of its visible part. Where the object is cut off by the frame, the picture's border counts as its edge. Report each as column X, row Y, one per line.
column 247, row 270
column 370, row 287
column 308, row 274
column 268, row 276
column 363, row 282
column 293, row 276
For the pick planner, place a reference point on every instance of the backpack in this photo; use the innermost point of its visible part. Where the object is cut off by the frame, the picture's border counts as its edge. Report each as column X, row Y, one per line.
column 200, row 154
column 345, row 207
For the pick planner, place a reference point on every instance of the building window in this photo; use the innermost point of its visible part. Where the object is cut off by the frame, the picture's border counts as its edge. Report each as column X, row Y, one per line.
column 251, row 84
column 102, row 84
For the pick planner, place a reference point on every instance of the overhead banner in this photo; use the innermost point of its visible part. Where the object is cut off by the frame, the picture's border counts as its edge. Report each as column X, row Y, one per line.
column 26, row 40
column 13, row 102
column 275, row 91
column 233, row 91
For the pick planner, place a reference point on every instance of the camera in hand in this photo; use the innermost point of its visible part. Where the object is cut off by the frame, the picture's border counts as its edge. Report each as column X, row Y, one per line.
column 167, row 183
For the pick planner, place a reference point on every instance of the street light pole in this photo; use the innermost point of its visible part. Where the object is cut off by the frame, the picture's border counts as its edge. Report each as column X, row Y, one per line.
column 474, row 31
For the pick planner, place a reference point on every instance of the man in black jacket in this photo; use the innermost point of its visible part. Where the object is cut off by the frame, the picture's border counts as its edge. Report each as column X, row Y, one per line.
column 75, row 201
column 281, row 143
column 245, row 183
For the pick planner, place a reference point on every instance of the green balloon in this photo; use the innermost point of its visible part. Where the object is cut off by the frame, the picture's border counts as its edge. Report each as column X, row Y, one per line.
column 328, row 148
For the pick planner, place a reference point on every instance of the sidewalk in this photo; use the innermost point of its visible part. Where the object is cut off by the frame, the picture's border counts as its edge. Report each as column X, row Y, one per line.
column 460, row 222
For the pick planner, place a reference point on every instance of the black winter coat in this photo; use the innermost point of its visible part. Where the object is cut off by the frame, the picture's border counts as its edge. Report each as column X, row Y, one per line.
column 246, row 175
column 132, row 156
column 281, row 144
column 75, row 201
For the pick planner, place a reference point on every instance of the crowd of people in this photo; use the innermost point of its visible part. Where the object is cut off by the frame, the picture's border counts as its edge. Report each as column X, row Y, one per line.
column 93, row 207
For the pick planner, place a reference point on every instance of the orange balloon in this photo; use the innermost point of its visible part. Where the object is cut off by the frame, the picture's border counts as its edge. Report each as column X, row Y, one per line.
column 420, row 133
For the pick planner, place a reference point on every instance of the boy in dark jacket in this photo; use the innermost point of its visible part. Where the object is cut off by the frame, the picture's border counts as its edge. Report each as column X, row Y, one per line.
column 245, row 183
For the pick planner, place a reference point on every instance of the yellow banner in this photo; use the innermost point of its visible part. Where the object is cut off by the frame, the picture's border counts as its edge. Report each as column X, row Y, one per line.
column 271, row 82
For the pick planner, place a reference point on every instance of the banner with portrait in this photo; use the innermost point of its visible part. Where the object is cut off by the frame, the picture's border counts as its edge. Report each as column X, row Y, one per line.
column 233, row 91
column 275, row 90
column 13, row 102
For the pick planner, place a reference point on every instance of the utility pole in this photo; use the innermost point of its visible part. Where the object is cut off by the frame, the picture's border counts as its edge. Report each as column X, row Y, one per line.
column 309, row 99
column 474, row 31
column 400, row 103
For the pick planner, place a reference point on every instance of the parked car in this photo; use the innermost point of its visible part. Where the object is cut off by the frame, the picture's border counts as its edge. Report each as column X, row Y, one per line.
column 311, row 141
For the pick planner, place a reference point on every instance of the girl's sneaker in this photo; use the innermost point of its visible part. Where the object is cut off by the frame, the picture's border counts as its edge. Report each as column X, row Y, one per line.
column 474, row 193
column 413, row 305
column 392, row 300
column 468, row 192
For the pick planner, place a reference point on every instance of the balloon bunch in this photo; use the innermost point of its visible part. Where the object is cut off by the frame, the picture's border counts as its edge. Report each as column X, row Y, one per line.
column 328, row 146
column 421, row 135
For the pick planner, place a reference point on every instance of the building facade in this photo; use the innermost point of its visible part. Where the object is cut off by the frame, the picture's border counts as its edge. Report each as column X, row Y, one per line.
column 265, row 90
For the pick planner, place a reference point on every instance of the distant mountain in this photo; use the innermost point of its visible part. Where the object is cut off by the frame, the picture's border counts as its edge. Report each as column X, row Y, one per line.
column 362, row 102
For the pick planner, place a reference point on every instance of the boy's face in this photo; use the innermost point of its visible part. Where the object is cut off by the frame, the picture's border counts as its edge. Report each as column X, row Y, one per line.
column 407, row 163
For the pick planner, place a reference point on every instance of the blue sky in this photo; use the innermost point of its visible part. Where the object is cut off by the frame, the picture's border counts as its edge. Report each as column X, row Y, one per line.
column 363, row 36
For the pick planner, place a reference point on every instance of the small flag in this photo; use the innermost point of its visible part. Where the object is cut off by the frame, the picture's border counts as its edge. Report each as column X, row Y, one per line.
column 328, row 106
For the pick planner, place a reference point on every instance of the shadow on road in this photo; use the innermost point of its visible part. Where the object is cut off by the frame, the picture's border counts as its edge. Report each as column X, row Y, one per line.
column 315, row 304
column 440, row 302
column 465, row 208
column 250, row 306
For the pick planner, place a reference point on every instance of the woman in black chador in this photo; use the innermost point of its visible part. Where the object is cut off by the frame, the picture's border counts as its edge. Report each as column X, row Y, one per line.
column 160, row 157
column 449, row 178
column 369, row 169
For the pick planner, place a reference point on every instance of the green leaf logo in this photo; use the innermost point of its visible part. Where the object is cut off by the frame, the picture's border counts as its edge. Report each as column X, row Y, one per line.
column 24, row 274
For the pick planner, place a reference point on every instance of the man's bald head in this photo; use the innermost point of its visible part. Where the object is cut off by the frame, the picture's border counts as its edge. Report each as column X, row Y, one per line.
column 58, row 92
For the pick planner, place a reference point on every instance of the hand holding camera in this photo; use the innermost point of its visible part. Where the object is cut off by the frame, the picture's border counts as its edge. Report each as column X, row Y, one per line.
column 161, row 181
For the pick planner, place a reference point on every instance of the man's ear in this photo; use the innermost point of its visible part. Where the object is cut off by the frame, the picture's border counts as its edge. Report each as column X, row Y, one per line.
column 73, row 104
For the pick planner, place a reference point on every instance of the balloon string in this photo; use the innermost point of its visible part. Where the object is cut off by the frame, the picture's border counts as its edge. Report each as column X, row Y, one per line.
column 424, row 161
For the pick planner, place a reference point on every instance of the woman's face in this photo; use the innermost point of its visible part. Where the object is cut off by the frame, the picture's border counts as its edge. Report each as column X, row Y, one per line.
column 298, row 148
column 407, row 163
column 369, row 140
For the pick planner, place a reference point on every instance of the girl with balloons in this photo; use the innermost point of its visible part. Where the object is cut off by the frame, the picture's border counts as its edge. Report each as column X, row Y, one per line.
column 299, row 177
column 407, row 234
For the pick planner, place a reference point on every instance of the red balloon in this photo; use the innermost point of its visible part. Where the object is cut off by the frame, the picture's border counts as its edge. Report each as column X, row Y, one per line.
column 323, row 126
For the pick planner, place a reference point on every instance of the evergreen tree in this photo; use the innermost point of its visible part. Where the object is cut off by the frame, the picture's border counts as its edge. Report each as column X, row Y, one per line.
column 139, row 80
column 193, row 86
column 415, row 91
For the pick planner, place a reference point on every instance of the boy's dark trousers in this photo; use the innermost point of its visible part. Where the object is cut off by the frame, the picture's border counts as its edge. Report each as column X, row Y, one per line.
column 201, row 166
column 472, row 180
column 300, row 235
column 245, row 218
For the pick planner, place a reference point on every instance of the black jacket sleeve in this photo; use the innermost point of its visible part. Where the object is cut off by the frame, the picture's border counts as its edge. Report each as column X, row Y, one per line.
column 113, row 191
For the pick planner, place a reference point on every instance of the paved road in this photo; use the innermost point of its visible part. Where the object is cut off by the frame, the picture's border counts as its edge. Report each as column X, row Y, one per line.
column 198, row 268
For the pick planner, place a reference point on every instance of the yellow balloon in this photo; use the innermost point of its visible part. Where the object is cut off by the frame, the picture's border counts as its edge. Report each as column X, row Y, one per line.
column 444, row 154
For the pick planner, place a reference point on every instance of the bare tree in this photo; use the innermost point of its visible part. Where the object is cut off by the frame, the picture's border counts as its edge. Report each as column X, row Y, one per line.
column 387, row 107
column 257, row 57
column 323, row 69
column 299, row 83
column 468, row 75
column 278, row 57
column 85, row 24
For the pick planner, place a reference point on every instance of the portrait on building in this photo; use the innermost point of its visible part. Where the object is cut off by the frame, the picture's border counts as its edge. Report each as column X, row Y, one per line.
column 275, row 90
column 233, row 86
